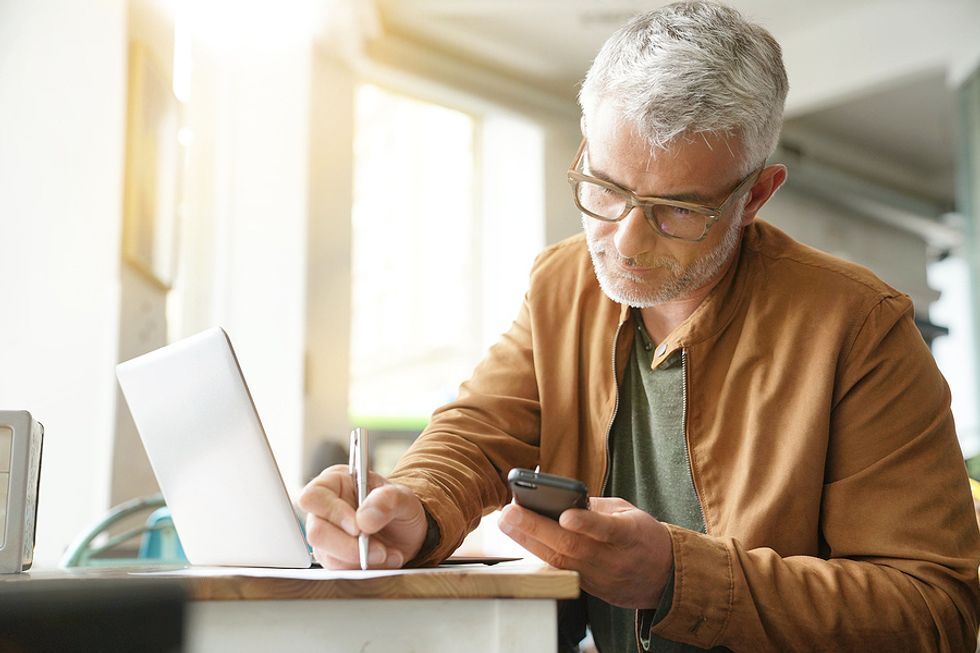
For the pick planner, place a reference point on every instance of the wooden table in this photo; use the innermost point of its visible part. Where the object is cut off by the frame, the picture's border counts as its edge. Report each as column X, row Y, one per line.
column 507, row 607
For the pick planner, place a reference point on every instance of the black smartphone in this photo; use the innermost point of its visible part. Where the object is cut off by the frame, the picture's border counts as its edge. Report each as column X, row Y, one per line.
column 547, row 494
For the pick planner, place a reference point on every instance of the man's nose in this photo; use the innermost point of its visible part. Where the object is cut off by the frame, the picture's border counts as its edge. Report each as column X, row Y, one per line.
column 634, row 235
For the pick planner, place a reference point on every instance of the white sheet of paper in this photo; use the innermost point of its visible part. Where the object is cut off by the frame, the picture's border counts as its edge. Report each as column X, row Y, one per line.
column 331, row 574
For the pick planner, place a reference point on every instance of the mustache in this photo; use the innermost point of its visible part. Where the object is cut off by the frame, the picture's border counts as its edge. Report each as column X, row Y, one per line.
column 634, row 261
column 642, row 262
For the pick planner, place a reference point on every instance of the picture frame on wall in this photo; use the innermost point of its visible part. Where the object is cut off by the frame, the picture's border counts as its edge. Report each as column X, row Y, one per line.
column 152, row 185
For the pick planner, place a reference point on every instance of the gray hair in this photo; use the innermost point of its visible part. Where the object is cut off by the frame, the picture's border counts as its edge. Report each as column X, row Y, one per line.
column 693, row 68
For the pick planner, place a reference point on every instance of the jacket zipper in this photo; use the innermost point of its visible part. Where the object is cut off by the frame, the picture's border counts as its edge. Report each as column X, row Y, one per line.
column 605, row 478
column 690, row 469
column 687, row 440
column 612, row 418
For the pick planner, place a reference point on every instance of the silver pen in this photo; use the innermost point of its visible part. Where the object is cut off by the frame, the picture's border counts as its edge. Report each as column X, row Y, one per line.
column 359, row 473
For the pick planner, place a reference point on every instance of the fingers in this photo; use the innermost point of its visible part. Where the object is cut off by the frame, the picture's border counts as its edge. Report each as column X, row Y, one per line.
column 622, row 554
column 335, row 549
column 391, row 515
column 517, row 520
column 329, row 541
column 517, row 525
column 578, row 537
column 330, row 496
column 544, row 538
column 324, row 497
column 603, row 528
column 337, row 479
column 329, row 562
column 609, row 521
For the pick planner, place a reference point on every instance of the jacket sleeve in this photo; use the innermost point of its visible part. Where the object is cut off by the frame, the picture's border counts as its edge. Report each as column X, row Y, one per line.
column 899, row 539
column 458, row 466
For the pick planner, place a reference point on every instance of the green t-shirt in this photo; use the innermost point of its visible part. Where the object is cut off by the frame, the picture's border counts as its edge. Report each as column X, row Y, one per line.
column 649, row 467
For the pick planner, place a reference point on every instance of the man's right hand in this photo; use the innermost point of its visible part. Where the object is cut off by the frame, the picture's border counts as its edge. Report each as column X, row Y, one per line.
column 391, row 514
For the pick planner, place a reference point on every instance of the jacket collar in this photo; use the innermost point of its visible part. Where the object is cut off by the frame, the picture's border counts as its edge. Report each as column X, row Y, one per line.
column 717, row 309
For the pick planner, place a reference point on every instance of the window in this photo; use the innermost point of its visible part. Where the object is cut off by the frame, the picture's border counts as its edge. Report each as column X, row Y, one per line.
column 447, row 217
column 955, row 353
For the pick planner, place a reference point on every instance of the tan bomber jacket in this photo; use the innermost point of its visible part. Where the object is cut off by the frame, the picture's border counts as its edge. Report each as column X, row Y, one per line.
column 820, row 439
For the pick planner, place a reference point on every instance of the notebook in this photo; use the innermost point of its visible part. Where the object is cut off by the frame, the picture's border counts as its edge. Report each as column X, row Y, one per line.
column 210, row 455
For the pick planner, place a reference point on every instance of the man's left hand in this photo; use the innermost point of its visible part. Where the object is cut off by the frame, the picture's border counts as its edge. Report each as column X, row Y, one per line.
column 622, row 554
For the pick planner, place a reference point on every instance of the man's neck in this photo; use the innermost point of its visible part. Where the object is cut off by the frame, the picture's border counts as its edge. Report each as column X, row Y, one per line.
column 661, row 319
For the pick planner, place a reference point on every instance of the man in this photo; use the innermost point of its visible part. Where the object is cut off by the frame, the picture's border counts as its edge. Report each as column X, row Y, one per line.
column 769, row 434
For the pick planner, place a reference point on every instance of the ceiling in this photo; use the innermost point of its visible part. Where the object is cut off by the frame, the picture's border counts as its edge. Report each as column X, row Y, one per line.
column 547, row 42
column 910, row 121
column 910, row 124
column 868, row 73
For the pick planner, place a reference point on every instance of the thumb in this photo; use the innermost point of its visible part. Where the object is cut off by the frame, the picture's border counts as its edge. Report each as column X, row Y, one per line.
column 389, row 504
column 610, row 505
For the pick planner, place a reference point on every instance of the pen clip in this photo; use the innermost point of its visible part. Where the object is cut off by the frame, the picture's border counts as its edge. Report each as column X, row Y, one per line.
column 352, row 465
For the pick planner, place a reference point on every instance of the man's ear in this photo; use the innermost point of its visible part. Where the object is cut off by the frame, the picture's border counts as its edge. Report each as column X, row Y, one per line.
column 768, row 182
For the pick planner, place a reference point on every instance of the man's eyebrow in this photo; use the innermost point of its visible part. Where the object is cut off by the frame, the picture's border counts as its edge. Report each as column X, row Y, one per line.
column 692, row 197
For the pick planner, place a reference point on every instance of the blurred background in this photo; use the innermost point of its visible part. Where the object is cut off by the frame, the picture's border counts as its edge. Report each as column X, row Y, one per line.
column 356, row 189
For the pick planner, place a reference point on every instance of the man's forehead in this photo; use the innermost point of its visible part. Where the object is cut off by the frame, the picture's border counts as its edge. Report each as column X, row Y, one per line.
column 611, row 135
column 627, row 149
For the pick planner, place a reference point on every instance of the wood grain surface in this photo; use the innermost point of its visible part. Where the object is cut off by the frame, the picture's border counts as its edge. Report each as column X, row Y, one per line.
column 470, row 582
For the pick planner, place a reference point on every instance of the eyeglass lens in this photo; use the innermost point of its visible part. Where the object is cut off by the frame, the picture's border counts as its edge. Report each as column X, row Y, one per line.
column 606, row 203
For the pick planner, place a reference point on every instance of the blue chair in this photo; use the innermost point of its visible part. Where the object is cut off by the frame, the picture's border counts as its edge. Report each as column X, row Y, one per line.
column 160, row 540
column 159, row 544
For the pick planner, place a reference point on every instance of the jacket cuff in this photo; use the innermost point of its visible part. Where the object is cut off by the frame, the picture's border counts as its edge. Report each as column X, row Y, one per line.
column 703, row 590
column 429, row 544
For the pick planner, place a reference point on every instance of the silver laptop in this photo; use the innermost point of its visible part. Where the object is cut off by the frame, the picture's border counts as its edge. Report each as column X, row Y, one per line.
column 210, row 455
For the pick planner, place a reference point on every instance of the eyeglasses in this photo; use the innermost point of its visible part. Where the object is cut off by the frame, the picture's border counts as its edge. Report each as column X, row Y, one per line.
column 604, row 200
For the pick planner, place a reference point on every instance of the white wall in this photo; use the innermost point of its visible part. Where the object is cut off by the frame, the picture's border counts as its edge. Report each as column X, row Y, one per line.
column 62, row 105
column 328, row 309
column 562, row 219
column 243, row 243
column 898, row 257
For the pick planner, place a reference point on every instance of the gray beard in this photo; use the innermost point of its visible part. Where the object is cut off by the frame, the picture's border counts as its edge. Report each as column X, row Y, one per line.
column 680, row 281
